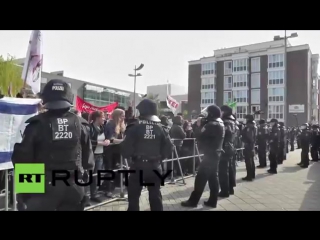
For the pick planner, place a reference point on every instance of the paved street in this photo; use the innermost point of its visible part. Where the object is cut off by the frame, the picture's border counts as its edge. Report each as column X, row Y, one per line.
column 292, row 189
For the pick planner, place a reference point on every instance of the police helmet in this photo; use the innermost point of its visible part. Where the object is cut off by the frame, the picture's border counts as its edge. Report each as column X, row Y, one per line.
column 227, row 111
column 211, row 111
column 148, row 109
column 273, row 120
column 57, row 94
column 249, row 117
column 262, row 121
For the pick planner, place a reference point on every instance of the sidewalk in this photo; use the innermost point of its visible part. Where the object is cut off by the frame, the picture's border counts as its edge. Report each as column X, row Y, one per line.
column 292, row 189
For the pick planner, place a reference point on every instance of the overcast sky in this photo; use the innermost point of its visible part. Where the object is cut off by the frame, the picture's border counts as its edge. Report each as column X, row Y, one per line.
column 107, row 57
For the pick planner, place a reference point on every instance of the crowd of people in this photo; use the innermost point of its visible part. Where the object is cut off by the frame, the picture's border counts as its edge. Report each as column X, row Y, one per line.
column 221, row 139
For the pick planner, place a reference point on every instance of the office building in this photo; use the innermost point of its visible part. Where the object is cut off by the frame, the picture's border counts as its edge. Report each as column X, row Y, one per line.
column 253, row 76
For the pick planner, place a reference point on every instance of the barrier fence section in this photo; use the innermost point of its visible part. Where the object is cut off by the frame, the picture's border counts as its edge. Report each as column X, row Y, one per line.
column 124, row 165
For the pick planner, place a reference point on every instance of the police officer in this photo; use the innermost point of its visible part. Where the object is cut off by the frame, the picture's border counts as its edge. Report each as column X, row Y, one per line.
column 227, row 166
column 262, row 139
column 282, row 144
column 292, row 135
column 298, row 134
column 305, row 138
column 58, row 139
column 274, row 140
column 147, row 143
column 314, row 142
column 249, row 134
column 210, row 140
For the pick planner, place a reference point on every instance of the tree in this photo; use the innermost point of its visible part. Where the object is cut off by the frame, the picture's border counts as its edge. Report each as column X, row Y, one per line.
column 10, row 73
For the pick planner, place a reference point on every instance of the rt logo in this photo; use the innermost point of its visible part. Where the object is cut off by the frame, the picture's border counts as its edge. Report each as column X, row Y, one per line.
column 29, row 178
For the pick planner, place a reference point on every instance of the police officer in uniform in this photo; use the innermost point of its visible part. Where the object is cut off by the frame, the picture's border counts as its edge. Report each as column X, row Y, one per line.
column 249, row 135
column 298, row 134
column 147, row 143
column 262, row 139
column 59, row 139
column 227, row 166
column 292, row 135
column 274, row 139
column 282, row 145
column 315, row 142
column 305, row 138
column 210, row 141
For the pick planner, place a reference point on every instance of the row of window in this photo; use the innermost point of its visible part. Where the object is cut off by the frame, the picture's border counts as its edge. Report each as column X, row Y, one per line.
column 241, row 96
column 241, row 80
column 240, row 65
column 208, row 83
column 274, row 111
column 208, row 68
column 104, row 98
column 208, row 98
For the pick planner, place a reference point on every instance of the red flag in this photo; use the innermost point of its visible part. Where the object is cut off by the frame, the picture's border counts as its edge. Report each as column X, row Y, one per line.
column 84, row 106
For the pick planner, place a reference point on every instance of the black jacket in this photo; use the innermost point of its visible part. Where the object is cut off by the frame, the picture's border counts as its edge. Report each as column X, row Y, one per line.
column 94, row 133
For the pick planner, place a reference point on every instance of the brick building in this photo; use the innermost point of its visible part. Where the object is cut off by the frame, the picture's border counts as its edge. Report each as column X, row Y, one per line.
column 253, row 76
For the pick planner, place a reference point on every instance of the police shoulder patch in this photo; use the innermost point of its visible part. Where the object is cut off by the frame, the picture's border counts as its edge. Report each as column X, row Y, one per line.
column 203, row 129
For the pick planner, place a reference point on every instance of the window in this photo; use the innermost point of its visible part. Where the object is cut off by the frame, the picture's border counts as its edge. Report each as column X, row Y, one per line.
column 241, row 112
column 275, row 77
column 207, row 98
column 255, row 96
column 227, row 82
column 240, row 80
column 255, row 108
column 240, row 96
column 208, row 68
column 227, row 97
column 276, row 60
column 255, row 64
column 207, row 83
column 255, row 80
column 276, row 111
column 240, row 65
column 228, row 68
column 276, row 94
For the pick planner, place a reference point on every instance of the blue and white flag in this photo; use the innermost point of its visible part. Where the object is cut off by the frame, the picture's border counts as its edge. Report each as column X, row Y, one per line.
column 14, row 112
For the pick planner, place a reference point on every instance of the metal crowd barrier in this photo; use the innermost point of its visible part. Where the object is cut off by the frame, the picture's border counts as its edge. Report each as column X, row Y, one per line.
column 123, row 165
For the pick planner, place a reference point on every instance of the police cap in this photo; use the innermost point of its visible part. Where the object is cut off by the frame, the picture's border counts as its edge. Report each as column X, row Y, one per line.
column 57, row 94
column 149, row 110
column 262, row 121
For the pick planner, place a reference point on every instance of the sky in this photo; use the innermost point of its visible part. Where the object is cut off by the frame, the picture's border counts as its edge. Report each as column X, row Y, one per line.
column 107, row 57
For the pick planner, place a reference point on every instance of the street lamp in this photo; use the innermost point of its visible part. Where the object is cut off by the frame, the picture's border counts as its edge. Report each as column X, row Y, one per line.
column 135, row 75
column 293, row 35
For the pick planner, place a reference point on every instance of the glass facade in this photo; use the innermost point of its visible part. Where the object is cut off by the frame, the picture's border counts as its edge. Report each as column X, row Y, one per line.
column 102, row 96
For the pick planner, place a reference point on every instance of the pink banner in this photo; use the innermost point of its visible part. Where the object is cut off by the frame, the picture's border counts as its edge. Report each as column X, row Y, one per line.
column 84, row 106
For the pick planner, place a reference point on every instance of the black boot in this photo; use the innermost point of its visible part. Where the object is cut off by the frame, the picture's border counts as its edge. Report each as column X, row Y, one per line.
column 249, row 179
column 188, row 204
column 223, row 195
column 210, row 204
column 271, row 171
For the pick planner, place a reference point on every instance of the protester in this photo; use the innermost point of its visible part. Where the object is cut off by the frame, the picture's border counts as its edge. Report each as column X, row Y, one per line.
column 187, row 149
column 177, row 133
column 113, row 131
column 98, row 141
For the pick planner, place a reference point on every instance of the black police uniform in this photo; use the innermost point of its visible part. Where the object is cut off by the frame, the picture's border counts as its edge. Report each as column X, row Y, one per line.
column 147, row 143
column 249, row 135
column 305, row 138
column 315, row 134
column 262, row 139
column 298, row 134
column 282, row 144
column 292, row 135
column 227, row 166
column 58, row 139
column 274, row 140
column 210, row 141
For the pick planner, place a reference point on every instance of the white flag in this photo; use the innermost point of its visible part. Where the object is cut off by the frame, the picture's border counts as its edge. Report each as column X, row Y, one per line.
column 33, row 63
column 172, row 103
column 13, row 114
